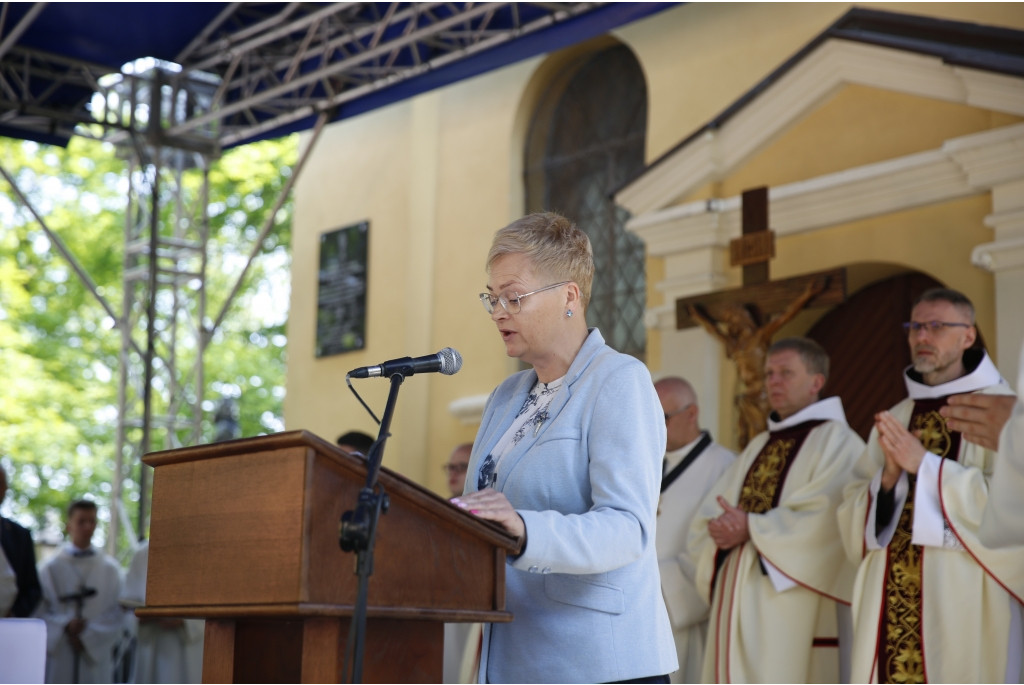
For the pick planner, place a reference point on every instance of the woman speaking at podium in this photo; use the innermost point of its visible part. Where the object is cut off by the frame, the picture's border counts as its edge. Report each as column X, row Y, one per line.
column 568, row 459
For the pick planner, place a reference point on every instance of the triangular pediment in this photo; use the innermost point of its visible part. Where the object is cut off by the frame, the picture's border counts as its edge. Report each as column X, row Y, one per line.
column 950, row 62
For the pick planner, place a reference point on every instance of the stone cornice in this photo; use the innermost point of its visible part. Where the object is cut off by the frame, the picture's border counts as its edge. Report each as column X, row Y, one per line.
column 714, row 153
column 961, row 167
column 686, row 227
column 1007, row 251
column 999, row 255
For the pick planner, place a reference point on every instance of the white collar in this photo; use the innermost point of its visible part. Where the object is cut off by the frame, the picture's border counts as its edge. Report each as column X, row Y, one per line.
column 677, row 455
column 828, row 409
column 985, row 374
column 72, row 551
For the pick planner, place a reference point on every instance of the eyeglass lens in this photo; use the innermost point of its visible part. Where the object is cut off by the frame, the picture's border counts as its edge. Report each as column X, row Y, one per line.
column 931, row 326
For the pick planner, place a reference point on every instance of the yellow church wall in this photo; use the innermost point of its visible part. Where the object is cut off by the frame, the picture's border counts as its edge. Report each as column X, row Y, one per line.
column 936, row 240
column 432, row 176
column 481, row 158
column 337, row 190
column 701, row 57
column 859, row 126
column 436, row 175
column 655, row 274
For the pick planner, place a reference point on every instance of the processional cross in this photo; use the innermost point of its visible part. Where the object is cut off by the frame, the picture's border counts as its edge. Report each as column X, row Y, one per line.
column 745, row 319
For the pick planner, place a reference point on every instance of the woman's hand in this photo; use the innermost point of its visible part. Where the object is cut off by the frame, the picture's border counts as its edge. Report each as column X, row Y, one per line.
column 492, row 505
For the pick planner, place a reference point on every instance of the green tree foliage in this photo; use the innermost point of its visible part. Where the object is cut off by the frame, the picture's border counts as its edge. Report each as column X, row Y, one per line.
column 59, row 348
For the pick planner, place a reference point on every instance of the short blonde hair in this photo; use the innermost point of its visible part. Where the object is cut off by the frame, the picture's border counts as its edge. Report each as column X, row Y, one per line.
column 555, row 246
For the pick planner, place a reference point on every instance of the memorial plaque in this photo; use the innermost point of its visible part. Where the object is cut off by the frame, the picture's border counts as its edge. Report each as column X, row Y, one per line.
column 341, row 295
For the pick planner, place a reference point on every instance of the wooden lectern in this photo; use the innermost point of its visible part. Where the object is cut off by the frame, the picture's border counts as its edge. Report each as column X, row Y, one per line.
column 245, row 535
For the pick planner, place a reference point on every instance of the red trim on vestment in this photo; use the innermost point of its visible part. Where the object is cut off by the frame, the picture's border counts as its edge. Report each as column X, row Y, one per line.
column 867, row 517
column 952, row 527
column 728, row 628
column 718, row 618
column 881, row 613
column 803, row 585
column 924, row 657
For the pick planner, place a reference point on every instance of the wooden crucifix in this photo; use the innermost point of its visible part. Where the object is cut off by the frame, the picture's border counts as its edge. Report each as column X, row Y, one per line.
column 745, row 319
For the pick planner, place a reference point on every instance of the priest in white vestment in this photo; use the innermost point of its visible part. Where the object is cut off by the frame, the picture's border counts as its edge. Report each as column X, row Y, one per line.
column 693, row 464
column 84, row 621
column 765, row 539
column 168, row 650
column 931, row 600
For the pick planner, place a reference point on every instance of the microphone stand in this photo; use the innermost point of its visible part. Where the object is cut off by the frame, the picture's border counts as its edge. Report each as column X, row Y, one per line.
column 359, row 530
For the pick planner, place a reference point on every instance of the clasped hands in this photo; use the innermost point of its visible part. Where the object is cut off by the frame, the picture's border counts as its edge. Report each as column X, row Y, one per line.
column 74, row 629
column 902, row 449
column 978, row 417
column 730, row 529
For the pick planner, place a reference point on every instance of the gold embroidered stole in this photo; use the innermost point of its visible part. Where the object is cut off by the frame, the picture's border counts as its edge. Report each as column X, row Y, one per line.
column 901, row 656
column 762, row 485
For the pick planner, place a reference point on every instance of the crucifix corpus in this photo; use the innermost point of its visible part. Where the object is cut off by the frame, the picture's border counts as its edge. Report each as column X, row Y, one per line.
column 745, row 319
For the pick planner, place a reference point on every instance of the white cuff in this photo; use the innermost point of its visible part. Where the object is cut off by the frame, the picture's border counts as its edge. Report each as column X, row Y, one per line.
column 928, row 525
column 780, row 581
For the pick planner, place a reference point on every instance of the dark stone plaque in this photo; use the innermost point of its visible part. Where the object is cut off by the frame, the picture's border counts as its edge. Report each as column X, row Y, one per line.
column 341, row 296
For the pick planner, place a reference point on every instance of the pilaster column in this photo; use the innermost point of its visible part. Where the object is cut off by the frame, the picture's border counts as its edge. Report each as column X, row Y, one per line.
column 693, row 242
column 1004, row 257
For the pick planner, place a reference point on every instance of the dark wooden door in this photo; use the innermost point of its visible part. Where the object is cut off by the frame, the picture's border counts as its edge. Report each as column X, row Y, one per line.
column 868, row 348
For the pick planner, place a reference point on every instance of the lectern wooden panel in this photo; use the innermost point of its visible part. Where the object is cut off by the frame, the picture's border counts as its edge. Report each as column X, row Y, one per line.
column 245, row 534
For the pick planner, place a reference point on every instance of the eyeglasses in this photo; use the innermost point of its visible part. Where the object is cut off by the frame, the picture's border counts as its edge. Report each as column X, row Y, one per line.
column 932, row 327
column 677, row 411
column 513, row 305
column 452, row 469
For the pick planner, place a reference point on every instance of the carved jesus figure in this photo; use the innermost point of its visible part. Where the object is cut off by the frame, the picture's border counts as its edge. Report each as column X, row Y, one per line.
column 746, row 344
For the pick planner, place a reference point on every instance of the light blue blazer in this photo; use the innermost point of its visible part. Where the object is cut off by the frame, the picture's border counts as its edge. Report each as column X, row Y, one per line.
column 585, row 592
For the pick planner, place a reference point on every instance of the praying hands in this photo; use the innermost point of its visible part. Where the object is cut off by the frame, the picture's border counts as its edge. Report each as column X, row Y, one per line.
column 902, row 449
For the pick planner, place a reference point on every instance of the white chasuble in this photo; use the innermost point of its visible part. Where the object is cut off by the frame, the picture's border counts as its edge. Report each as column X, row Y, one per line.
column 775, row 599
column 950, row 586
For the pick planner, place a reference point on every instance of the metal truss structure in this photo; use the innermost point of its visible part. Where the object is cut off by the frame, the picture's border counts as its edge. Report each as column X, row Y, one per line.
column 263, row 69
column 255, row 70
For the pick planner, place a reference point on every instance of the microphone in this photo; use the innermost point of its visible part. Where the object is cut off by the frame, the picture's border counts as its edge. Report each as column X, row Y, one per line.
column 447, row 361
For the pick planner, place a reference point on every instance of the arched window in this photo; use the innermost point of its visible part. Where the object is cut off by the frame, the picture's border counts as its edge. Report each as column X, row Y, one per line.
column 585, row 141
